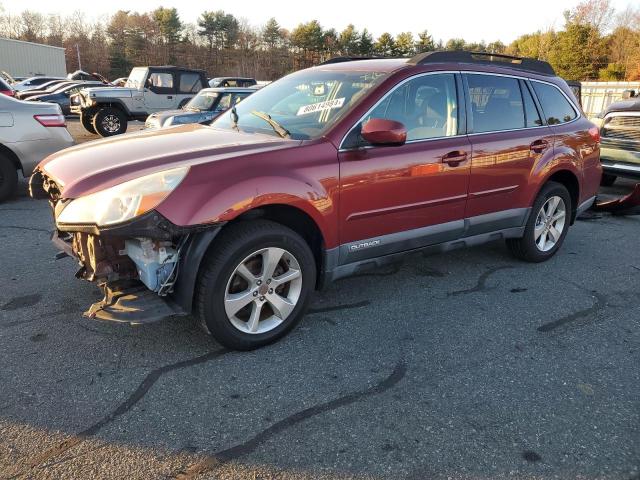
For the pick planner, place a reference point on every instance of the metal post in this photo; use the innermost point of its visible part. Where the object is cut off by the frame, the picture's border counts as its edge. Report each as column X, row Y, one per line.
column 79, row 62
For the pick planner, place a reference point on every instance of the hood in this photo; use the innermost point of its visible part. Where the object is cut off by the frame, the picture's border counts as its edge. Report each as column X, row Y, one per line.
column 631, row 104
column 94, row 166
column 112, row 92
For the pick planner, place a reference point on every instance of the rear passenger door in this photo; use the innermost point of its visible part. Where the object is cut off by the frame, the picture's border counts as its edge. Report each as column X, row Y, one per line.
column 508, row 138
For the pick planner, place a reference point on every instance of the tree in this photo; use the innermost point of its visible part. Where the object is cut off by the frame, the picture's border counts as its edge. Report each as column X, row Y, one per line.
column 424, row 43
column 272, row 34
column 348, row 41
column 496, row 47
column 169, row 24
column 33, row 26
column 404, row 44
column 385, row 45
column 455, row 44
column 365, row 44
column 308, row 37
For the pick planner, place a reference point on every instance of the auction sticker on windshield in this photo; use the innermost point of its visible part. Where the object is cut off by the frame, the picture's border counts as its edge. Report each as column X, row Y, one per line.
column 318, row 107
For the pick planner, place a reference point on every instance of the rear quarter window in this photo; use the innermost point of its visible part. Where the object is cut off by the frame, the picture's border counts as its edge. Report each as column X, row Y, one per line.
column 555, row 106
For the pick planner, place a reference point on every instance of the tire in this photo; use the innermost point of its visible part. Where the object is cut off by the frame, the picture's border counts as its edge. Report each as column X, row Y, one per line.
column 528, row 248
column 220, row 285
column 8, row 178
column 608, row 180
column 86, row 119
column 110, row 121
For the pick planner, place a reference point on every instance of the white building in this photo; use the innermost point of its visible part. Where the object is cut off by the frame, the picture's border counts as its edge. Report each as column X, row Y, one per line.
column 26, row 59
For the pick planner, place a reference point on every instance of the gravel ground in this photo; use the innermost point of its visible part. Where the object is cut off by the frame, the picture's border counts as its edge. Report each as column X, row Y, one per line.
column 467, row 365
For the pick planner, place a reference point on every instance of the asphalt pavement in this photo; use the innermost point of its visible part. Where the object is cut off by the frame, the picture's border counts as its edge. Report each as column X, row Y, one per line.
column 466, row 365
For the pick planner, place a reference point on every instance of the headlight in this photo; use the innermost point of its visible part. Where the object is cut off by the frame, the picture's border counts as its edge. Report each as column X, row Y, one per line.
column 122, row 202
column 180, row 120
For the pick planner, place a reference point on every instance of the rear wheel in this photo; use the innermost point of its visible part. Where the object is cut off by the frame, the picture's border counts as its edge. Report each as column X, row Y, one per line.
column 110, row 121
column 608, row 179
column 86, row 119
column 8, row 178
column 547, row 225
column 255, row 284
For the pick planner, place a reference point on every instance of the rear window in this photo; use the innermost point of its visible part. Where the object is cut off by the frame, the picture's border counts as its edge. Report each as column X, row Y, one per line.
column 557, row 109
column 496, row 103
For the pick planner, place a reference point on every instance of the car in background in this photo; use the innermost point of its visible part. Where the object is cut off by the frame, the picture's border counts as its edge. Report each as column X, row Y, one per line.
column 203, row 108
column 106, row 110
column 34, row 82
column 325, row 173
column 45, row 88
column 6, row 88
column 29, row 132
column 620, row 133
column 232, row 82
column 62, row 95
column 119, row 82
column 82, row 76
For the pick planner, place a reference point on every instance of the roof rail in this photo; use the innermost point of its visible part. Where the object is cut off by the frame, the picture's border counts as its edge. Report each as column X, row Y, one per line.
column 486, row 58
column 345, row 59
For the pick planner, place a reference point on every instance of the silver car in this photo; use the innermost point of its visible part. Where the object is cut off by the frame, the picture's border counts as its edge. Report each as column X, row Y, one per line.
column 29, row 132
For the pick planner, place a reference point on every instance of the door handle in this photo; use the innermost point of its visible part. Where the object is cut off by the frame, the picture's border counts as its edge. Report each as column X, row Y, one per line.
column 453, row 159
column 539, row 146
column 170, row 97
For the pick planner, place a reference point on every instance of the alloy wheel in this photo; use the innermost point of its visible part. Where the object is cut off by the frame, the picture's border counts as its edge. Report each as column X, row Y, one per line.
column 550, row 223
column 263, row 290
column 111, row 123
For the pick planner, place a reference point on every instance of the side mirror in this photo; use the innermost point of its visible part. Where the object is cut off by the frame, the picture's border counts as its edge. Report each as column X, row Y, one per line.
column 380, row 131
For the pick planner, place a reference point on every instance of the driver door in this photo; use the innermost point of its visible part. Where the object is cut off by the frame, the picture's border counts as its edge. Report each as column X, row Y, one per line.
column 396, row 198
column 160, row 91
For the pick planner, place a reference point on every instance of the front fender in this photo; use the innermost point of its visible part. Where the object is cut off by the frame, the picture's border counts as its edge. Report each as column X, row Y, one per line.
column 222, row 192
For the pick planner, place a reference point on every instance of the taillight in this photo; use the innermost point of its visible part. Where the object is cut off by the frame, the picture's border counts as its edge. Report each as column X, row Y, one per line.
column 10, row 93
column 51, row 120
column 595, row 134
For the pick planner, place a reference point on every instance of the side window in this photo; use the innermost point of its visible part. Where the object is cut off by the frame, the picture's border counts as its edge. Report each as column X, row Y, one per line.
column 425, row 105
column 532, row 116
column 160, row 82
column 190, row 83
column 224, row 103
column 238, row 97
column 555, row 105
column 496, row 103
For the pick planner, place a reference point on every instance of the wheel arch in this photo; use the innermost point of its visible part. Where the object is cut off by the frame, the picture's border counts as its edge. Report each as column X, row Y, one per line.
column 569, row 179
column 11, row 155
column 113, row 103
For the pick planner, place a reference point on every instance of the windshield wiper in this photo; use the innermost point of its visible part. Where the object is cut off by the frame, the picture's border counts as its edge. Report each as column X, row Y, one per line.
column 279, row 129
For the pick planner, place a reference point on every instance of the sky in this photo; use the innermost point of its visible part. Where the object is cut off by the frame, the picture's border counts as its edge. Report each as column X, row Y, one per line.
column 473, row 20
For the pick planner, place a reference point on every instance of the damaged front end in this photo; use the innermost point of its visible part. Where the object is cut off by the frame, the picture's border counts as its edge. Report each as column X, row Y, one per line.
column 136, row 264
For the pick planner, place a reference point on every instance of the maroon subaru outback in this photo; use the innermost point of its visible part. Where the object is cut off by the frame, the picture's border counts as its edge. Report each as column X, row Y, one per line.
column 322, row 174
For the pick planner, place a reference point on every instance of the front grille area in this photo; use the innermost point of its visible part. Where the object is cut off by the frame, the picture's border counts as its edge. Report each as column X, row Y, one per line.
column 622, row 128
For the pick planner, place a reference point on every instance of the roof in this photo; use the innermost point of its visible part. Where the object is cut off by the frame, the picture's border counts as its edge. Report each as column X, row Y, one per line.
column 228, row 89
column 173, row 67
column 31, row 43
column 629, row 105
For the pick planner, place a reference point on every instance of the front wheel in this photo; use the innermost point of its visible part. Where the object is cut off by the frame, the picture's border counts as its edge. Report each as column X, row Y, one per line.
column 110, row 121
column 255, row 284
column 547, row 225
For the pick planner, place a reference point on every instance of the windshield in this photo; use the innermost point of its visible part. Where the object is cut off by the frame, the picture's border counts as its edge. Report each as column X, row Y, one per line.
column 306, row 103
column 203, row 101
column 136, row 78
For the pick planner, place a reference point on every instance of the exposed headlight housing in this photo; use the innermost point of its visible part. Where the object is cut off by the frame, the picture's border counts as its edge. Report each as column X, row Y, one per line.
column 122, row 202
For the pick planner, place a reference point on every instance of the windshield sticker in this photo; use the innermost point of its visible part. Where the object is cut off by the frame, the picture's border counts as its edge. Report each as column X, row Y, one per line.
column 318, row 107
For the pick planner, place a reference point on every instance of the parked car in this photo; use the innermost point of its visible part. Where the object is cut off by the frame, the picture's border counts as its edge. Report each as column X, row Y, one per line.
column 29, row 132
column 6, row 88
column 209, row 104
column 119, row 82
column 106, row 111
column 33, row 82
column 324, row 173
column 232, row 82
column 82, row 76
column 62, row 95
column 620, row 131
column 48, row 87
